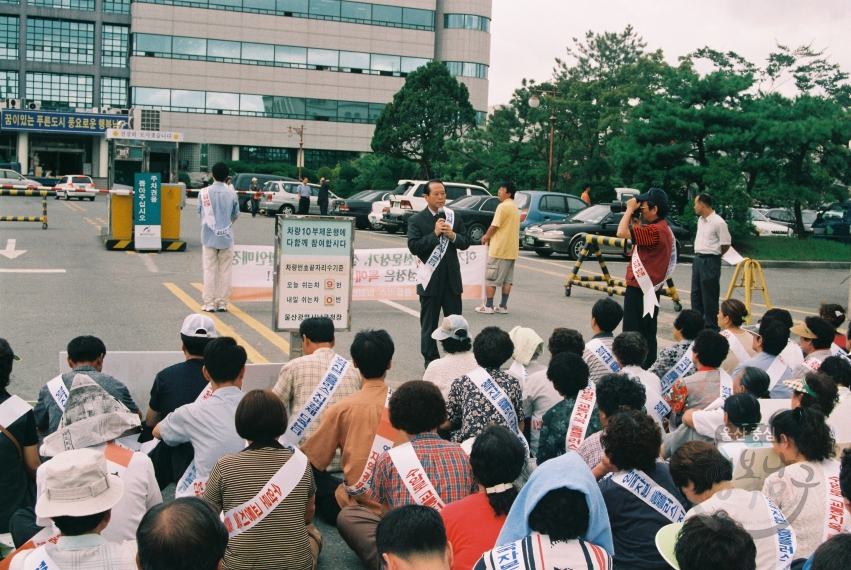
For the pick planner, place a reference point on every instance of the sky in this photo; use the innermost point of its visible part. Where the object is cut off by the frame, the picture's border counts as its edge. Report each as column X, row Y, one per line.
column 528, row 35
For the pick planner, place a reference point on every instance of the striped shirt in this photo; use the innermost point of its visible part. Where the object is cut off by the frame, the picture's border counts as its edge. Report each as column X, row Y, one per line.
column 538, row 552
column 279, row 540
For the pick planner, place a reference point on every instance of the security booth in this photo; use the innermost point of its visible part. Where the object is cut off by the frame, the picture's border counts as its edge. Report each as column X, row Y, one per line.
column 134, row 152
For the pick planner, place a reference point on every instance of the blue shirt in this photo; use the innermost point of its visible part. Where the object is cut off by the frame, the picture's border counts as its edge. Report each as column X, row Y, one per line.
column 304, row 191
column 763, row 361
column 225, row 209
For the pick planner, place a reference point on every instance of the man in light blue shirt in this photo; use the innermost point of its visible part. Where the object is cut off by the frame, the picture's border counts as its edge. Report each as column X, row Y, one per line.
column 218, row 208
column 303, row 198
column 769, row 342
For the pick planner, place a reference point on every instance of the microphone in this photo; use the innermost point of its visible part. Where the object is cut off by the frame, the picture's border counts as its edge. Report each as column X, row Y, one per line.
column 441, row 214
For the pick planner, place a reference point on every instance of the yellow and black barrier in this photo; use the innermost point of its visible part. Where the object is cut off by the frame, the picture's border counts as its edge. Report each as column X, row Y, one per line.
column 748, row 275
column 605, row 283
column 43, row 218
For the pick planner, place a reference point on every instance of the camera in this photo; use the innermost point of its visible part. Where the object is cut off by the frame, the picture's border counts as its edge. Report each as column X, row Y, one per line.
column 619, row 206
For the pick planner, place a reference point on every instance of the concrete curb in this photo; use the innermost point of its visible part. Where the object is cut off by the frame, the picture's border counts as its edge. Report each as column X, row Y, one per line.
column 775, row 264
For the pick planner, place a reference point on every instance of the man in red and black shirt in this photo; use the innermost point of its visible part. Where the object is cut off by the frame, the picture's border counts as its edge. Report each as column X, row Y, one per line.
column 653, row 243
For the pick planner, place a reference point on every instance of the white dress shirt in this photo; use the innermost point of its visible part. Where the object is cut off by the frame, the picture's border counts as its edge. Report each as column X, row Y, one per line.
column 84, row 552
column 712, row 233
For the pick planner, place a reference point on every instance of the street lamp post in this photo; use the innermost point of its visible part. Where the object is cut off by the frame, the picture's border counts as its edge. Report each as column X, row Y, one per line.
column 300, row 159
column 535, row 102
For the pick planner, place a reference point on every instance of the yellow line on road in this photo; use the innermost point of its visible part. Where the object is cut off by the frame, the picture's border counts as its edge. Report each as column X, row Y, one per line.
column 223, row 329
column 265, row 331
column 101, row 220
column 130, row 252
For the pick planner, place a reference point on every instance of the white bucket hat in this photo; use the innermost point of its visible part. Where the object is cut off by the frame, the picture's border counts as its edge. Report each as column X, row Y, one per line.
column 77, row 484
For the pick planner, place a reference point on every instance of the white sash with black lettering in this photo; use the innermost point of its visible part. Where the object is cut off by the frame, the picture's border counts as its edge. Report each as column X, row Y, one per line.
column 317, row 402
column 500, row 401
column 242, row 518
column 679, row 370
column 644, row 281
column 726, row 382
column 190, row 484
column 785, row 540
column 425, row 270
column 39, row 560
column 412, row 473
column 654, row 403
column 57, row 389
column 834, row 520
column 518, row 371
column 775, row 371
column 736, row 346
column 209, row 218
column 596, row 347
column 835, row 350
column 580, row 417
column 639, row 484
column 384, row 438
column 12, row 410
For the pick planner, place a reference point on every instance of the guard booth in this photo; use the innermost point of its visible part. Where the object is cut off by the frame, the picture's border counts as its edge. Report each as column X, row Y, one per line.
column 134, row 152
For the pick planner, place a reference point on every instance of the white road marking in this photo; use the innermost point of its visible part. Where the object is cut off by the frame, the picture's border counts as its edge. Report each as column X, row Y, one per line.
column 10, row 250
column 149, row 263
column 32, row 271
column 402, row 308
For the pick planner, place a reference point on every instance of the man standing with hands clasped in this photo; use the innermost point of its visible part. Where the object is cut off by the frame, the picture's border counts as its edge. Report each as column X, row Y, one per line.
column 303, row 198
column 502, row 239
column 218, row 208
column 711, row 242
column 434, row 236
column 653, row 260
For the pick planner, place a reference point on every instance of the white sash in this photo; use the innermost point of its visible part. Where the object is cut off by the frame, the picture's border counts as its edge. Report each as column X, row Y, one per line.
column 39, row 560
column 57, row 389
column 412, row 473
column 209, row 217
column 736, row 346
column 580, row 417
column 596, row 347
column 383, row 441
column 835, row 350
column 679, row 370
column 117, row 459
column 726, row 382
column 425, row 270
column 500, row 401
column 12, row 410
column 775, row 371
column 812, row 363
column 644, row 281
column 834, row 520
column 656, row 406
column 247, row 515
column 518, row 371
column 45, row 535
column 784, row 538
column 639, row 484
column 317, row 401
column 190, row 484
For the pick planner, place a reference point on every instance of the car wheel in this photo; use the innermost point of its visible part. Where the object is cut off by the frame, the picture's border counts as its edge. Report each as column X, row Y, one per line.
column 576, row 247
column 543, row 252
column 677, row 248
column 476, row 232
column 91, row 199
column 375, row 225
column 67, row 197
column 287, row 209
column 392, row 229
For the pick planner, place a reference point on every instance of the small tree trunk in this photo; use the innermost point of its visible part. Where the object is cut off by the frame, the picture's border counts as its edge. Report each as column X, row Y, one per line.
column 799, row 221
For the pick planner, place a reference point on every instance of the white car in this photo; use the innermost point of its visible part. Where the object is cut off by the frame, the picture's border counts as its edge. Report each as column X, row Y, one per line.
column 8, row 176
column 764, row 227
column 377, row 213
column 407, row 200
column 76, row 186
column 281, row 197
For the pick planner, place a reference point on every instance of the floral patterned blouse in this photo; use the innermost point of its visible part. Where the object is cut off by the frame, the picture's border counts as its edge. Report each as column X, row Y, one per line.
column 468, row 407
column 668, row 358
column 554, row 431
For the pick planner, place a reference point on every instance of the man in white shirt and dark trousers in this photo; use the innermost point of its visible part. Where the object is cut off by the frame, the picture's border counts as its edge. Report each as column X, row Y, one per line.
column 218, row 208
column 710, row 243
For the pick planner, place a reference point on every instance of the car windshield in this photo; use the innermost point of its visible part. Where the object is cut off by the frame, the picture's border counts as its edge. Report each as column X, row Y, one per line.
column 757, row 217
column 591, row 214
column 402, row 188
column 521, row 199
column 466, row 202
column 362, row 195
column 81, row 180
column 808, row 217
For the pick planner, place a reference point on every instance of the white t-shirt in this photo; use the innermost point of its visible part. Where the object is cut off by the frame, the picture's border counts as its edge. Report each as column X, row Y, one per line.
column 443, row 371
column 538, row 397
column 649, row 379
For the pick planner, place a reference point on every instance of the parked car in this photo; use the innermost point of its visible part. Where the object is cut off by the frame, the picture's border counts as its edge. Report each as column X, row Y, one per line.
column 76, row 186
column 477, row 213
column 243, row 182
column 568, row 236
column 8, row 176
column 281, row 197
column 408, row 199
column 787, row 217
column 834, row 223
column 764, row 227
column 359, row 206
column 537, row 206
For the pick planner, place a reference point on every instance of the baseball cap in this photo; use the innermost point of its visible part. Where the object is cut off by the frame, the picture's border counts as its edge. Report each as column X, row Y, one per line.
column 666, row 543
column 657, row 195
column 803, row 331
column 451, row 327
column 753, row 329
column 199, row 326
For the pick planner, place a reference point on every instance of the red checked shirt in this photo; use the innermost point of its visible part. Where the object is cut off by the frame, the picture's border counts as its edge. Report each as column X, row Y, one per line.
column 445, row 463
column 653, row 243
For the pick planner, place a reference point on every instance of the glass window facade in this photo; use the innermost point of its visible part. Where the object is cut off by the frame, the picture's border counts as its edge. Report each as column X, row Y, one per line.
column 60, row 41
column 113, row 91
column 255, row 105
column 116, row 6
column 59, row 91
column 115, row 45
column 313, row 158
column 10, row 1
column 10, row 35
column 9, row 85
column 66, row 4
column 466, row 69
column 334, row 10
column 466, row 22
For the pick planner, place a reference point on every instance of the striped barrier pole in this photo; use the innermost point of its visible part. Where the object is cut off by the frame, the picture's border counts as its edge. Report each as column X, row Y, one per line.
column 43, row 218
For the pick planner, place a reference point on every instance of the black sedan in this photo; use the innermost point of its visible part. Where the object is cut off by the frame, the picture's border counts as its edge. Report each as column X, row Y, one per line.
column 568, row 236
column 358, row 206
column 477, row 213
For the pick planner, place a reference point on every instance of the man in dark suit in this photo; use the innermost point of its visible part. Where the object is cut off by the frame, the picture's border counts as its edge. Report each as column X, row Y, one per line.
column 322, row 199
column 443, row 289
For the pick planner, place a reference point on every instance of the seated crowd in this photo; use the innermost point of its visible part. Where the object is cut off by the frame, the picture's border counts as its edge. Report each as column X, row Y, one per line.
column 729, row 449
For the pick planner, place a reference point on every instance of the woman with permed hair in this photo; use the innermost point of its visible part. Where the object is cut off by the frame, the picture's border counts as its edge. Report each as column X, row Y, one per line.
column 731, row 316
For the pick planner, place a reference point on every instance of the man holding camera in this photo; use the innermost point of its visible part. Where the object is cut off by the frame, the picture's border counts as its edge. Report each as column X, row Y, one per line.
column 653, row 261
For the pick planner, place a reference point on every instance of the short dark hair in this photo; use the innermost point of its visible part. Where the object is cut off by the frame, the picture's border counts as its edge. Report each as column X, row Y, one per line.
column 619, row 391
column 823, row 330
column 607, row 313
column 75, row 526
column 735, row 310
column 416, row 407
column 775, row 336
column 224, row 359
column 185, row 534
column 317, row 329
column 714, row 541
column 743, row 411
column 701, row 463
column 807, row 428
column 7, row 359
column 562, row 514
column 498, row 457
column 509, row 187
column 454, row 346
column 260, row 416
column 825, row 389
column 195, row 345
column 568, row 373
column 86, row 349
column 689, row 323
column 492, row 347
column 781, row 315
column 411, row 531
column 566, row 340
column 220, row 171
column 705, row 198
column 630, row 348
column 832, row 313
column 711, row 348
column 845, row 473
column 427, row 189
column 837, row 368
column 372, row 350
column 833, row 554
column 632, row 440
column 756, row 381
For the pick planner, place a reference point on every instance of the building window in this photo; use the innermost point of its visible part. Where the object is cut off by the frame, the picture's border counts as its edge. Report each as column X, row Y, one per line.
column 481, row 117
column 60, row 92
column 113, row 91
column 116, row 6
column 66, row 4
column 313, row 158
column 466, row 69
column 10, row 35
column 9, row 85
column 10, row 1
column 114, row 46
column 60, row 41
column 466, row 22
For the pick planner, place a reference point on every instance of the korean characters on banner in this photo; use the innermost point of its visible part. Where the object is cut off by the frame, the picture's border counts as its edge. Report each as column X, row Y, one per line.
column 146, row 212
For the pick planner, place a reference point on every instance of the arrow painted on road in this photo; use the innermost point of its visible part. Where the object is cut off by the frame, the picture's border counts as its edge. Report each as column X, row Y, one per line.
column 10, row 250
